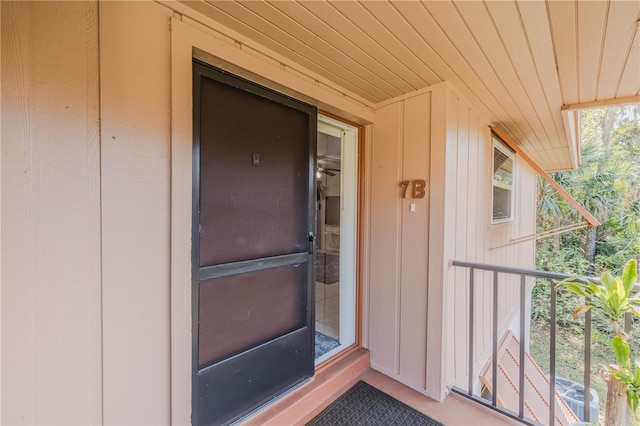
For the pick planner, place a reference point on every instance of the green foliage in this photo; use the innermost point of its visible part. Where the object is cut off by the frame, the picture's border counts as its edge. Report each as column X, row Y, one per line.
column 612, row 297
column 624, row 373
column 607, row 183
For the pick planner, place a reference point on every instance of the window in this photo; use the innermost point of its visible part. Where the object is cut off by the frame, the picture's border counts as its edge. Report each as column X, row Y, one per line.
column 503, row 160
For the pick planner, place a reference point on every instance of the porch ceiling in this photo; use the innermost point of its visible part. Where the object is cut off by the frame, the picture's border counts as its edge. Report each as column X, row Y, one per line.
column 519, row 61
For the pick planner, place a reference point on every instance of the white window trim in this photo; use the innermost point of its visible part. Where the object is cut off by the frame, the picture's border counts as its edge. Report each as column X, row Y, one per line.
column 502, row 147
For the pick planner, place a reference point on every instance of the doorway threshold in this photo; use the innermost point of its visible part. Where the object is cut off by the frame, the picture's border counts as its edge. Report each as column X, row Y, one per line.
column 305, row 400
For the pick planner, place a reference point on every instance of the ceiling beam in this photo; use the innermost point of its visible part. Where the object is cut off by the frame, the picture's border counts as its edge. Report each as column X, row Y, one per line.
column 603, row 103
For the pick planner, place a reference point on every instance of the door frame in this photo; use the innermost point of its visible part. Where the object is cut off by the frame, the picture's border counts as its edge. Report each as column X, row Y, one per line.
column 361, row 243
column 349, row 185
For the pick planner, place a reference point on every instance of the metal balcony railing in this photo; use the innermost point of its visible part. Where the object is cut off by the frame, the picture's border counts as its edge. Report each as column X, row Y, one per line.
column 497, row 272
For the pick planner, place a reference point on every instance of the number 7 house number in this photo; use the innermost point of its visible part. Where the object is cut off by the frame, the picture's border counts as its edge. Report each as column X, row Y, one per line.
column 419, row 188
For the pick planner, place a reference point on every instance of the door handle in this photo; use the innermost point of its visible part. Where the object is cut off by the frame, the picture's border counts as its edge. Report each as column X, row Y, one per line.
column 312, row 243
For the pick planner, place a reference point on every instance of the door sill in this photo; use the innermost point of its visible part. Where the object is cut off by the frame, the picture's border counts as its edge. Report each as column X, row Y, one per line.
column 298, row 404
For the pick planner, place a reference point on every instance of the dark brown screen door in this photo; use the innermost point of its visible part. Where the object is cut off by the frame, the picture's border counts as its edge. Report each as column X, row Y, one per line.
column 254, row 214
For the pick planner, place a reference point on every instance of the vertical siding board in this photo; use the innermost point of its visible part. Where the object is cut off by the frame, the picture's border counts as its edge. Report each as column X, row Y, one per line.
column 473, row 251
column 135, row 107
column 462, row 214
column 18, row 348
column 452, row 324
column 50, row 180
column 385, row 223
column 484, row 200
column 413, row 314
column 440, row 245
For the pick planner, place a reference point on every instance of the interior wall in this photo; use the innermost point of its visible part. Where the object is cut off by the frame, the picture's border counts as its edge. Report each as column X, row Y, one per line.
column 51, row 275
column 398, row 243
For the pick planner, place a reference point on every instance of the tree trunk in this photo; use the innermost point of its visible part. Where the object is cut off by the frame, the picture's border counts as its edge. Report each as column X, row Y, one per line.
column 556, row 237
column 616, row 412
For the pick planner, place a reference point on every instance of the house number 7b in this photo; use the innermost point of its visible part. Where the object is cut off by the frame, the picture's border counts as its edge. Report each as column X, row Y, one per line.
column 419, row 188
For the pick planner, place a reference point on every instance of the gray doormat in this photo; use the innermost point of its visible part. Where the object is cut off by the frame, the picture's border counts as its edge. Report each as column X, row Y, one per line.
column 365, row 405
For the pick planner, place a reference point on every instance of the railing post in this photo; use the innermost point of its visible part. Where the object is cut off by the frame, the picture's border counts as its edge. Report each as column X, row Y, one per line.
column 552, row 356
column 627, row 329
column 523, row 290
column 587, row 365
column 494, row 362
column 471, row 313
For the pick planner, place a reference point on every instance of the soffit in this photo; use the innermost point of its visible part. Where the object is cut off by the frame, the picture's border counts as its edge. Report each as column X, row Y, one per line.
column 519, row 62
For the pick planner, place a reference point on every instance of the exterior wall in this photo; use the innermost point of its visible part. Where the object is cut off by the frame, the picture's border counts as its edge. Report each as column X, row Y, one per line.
column 136, row 175
column 96, row 211
column 462, row 161
column 398, row 245
column 417, row 302
column 51, row 276
column 96, row 203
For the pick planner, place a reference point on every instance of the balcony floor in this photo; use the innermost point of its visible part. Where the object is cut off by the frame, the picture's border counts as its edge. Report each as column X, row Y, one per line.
column 304, row 403
column 454, row 410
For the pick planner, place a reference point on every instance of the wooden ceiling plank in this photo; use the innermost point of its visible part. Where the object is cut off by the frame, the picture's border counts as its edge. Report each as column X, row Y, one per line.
column 621, row 28
column 525, row 82
column 562, row 18
column 333, row 39
column 459, row 72
column 630, row 81
column 416, row 17
column 476, row 41
column 300, row 31
column 591, row 31
column 406, row 36
column 397, row 56
column 494, row 33
column 238, row 18
column 534, row 17
column 336, row 20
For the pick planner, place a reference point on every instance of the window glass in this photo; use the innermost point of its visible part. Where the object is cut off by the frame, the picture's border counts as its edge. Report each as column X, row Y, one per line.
column 503, row 163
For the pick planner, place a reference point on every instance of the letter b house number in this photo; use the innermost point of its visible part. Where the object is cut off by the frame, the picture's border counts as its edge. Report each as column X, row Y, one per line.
column 418, row 186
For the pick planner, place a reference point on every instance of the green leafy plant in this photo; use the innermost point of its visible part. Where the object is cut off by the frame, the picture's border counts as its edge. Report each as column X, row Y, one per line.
column 624, row 373
column 614, row 298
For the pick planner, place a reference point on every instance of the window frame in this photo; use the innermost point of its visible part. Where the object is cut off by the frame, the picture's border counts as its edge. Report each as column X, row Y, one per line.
column 498, row 144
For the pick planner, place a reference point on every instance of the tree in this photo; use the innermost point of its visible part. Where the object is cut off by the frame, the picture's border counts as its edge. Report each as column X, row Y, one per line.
column 607, row 184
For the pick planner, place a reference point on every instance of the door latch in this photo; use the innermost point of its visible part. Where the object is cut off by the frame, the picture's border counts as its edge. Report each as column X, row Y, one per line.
column 312, row 243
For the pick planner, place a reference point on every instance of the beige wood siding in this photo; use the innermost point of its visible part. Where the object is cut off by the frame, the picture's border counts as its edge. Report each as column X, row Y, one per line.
column 51, row 307
column 136, row 165
column 437, row 135
column 96, row 202
column 467, row 234
column 92, row 332
column 399, row 241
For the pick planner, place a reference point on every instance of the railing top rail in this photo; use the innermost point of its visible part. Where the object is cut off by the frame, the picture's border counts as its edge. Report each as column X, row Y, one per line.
column 520, row 271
